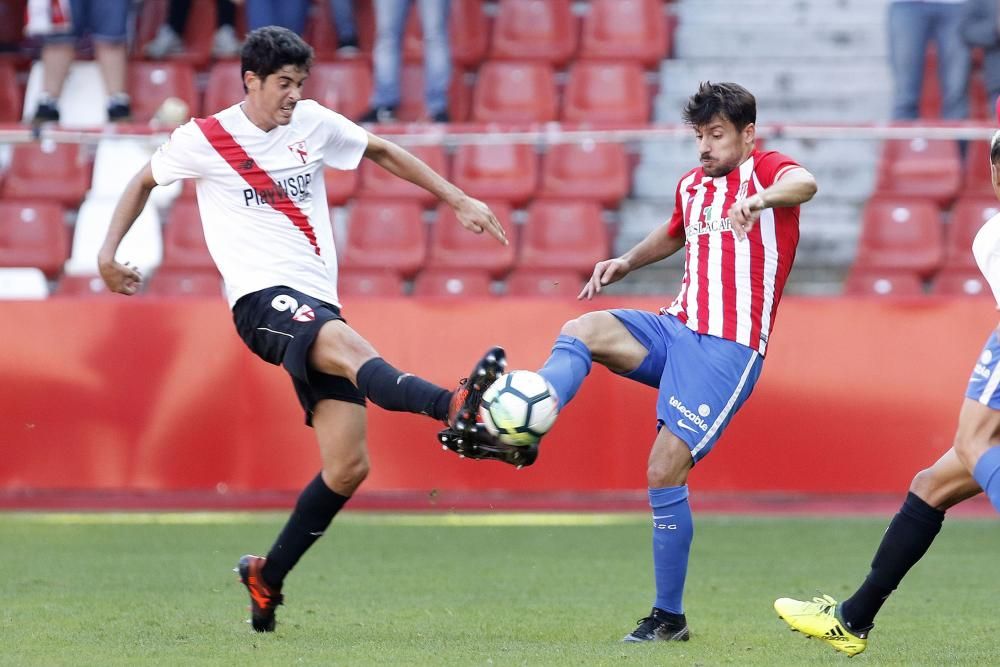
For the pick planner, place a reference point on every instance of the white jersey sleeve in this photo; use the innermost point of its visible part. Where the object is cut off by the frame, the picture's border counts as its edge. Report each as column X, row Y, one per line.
column 182, row 156
column 986, row 250
column 346, row 142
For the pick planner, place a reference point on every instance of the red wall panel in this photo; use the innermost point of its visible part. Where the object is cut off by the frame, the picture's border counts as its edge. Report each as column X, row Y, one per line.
column 147, row 395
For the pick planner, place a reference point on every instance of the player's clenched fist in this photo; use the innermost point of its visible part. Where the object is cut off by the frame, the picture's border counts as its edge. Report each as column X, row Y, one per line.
column 743, row 215
column 121, row 278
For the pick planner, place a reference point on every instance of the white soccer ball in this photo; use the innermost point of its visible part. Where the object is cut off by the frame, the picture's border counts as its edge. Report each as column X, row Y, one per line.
column 519, row 408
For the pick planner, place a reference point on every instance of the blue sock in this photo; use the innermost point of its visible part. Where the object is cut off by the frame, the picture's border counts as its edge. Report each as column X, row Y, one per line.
column 987, row 473
column 566, row 367
column 673, row 530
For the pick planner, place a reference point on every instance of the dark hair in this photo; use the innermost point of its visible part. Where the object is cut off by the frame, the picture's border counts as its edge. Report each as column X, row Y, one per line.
column 995, row 149
column 268, row 49
column 728, row 100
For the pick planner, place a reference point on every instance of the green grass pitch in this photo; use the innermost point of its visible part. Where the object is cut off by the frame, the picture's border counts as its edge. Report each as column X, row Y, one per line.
column 471, row 589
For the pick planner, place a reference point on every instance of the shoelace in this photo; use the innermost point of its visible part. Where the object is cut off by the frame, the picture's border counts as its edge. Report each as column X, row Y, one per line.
column 826, row 604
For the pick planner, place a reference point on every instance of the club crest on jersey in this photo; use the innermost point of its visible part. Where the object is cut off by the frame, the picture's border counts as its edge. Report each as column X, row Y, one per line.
column 299, row 150
column 741, row 194
column 304, row 314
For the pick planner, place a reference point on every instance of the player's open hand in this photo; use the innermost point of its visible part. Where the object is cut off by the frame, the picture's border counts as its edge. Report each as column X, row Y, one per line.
column 605, row 273
column 122, row 278
column 477, row 217
column 743, row 215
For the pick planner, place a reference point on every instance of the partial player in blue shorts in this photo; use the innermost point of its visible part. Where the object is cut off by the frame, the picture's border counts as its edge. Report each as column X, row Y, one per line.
column 702, row 381
column 984, row 384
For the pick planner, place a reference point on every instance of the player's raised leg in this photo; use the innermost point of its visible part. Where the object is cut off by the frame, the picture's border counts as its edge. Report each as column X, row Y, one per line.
column 845, row 626
column 978, row 433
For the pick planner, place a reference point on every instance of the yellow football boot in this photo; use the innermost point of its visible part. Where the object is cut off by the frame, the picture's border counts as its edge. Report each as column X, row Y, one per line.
column 819, row 619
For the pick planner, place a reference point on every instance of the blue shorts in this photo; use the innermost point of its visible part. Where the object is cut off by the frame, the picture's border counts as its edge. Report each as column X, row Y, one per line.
column 105, row 21
column 985, row 378
column 703, row 380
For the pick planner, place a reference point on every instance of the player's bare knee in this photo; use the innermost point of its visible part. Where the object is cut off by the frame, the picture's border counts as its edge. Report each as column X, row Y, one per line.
column 591, row 329
column 924, row 485
column 346, row 476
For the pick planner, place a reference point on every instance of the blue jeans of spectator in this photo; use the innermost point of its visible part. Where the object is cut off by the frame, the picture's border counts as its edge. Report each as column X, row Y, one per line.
column 343, row 18
column 912, row 26
column 390, row 24
column 289, row 14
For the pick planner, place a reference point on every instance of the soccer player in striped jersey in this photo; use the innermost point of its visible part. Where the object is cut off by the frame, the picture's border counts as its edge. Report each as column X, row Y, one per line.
column 258, row 170
column 736, row 216
column 971, row 466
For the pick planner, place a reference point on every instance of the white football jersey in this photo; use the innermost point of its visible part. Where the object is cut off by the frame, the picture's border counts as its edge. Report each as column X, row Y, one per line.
column 261, row 194
column 986, row 250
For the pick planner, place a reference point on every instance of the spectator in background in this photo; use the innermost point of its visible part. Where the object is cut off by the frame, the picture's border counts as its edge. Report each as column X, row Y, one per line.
column 913, row 24
column 390, row 24
column 289, row 14
column 981, row 27
column 347, row 29
column 60, row 24
column 225, row 43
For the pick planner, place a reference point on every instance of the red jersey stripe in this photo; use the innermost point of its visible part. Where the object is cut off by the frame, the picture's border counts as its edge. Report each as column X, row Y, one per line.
column 729, row 261
column 241, row 162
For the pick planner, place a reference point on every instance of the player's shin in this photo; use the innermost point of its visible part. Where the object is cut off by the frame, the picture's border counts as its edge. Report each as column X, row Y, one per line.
column 392, row 389
column 567, row 367
column 673, row 530
column 987, row 474
column 314, row 510
column 906, row 540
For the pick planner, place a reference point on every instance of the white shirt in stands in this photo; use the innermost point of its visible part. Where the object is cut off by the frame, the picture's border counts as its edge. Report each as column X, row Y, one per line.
column 261, row 194
column 986, row 250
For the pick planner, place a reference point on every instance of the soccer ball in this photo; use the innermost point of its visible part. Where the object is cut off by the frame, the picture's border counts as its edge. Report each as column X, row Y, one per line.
column 519, row 408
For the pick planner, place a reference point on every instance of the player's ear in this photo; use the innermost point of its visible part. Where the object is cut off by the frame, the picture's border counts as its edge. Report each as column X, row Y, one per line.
column 251, row 81
column 750, row 133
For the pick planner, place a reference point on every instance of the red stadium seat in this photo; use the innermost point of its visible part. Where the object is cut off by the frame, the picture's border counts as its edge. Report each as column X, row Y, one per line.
column 453, row 283
column 606, row 93
column 358, row 283
column 884, row 283
column 49, row 172
column 960, row 282
column 543, row 30
column 11, row 100
column 598, row 172
column 564, row 235
column 341, row 185
column 468, row 34
column 224, row 87
column 151, row 83
column 625, row 30
column 411, row 92
column 376, row 182
column 83, row 286
column 515, row 92
column 920, row 168
column 967, row 216
column 540, row 282
column 497, row 171
column 344, row 86
column 978, row 181
column 33, row 234
column 183, row 239
column 385, row 236
column 901, row 234
column 178, row 283
column 454, row 247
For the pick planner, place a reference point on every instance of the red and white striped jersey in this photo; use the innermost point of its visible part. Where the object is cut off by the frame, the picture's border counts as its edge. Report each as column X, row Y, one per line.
column 731, row 288
column 261, row 194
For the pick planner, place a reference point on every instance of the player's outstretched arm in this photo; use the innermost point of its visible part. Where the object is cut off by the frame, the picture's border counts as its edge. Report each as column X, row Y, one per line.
column 659, row 244
column 124, row 278
column 794, row 187
column 473, row 214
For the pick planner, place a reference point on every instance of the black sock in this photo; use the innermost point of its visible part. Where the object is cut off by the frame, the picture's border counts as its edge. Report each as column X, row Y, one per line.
column 392, row 389
column 315, row 509
column 905, row 541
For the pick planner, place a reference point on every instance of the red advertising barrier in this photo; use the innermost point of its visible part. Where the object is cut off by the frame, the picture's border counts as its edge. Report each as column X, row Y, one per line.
column 161, row 395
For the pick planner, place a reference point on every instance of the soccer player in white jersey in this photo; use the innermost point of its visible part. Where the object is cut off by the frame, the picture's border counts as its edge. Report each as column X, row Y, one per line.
column 258, row 170
column 737, row 217
column 971, row 466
